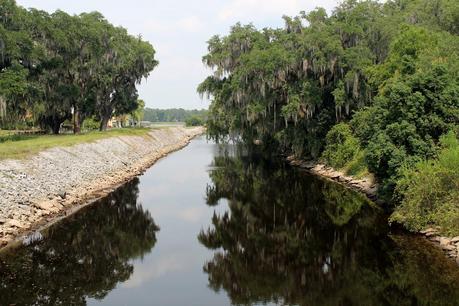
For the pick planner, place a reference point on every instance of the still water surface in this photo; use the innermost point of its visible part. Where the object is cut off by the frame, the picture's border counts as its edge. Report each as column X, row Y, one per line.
column 212, row 226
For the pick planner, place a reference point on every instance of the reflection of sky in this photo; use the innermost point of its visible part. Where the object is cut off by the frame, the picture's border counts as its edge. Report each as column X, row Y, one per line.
column 153, row 270
column 172, row 274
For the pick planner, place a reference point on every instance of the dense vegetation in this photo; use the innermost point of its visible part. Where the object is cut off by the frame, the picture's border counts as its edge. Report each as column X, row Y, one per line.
column 57, row 67
column 172, row 114
column 371, row 87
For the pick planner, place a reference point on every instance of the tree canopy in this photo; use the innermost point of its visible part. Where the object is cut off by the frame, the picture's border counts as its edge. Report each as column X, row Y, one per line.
column 172, row 114
column 377, row 81
column 53, row 66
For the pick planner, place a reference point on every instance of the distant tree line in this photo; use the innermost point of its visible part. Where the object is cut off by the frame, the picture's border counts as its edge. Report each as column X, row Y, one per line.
column 172, row 115
column 373, row 86
column 57, row 67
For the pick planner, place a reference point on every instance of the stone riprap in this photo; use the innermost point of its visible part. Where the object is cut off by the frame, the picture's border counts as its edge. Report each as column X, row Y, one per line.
column 34, row 191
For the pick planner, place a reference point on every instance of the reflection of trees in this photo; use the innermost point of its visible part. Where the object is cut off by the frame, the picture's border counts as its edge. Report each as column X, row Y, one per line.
column 298, row 240
column 84, row 256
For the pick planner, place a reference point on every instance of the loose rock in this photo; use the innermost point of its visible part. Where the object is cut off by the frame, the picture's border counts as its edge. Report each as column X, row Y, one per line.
column 31, row 195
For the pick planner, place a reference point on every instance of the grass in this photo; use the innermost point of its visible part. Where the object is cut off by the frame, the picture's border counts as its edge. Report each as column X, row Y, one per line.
column 21, row 146
column 5, row 133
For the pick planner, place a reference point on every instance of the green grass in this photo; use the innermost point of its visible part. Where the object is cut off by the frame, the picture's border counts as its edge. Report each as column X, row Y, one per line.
column 5, row 133
column 21, row 146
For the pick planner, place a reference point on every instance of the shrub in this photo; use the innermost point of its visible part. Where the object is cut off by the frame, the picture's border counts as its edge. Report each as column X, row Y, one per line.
column 341, row 146
column 357, row 166
column 90, row 124
column 429, row 192
column 194, row 121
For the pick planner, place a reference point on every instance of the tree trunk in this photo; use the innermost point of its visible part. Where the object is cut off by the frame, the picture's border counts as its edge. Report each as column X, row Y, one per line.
column 56, row 126
column 76, row 122
column 104, row 123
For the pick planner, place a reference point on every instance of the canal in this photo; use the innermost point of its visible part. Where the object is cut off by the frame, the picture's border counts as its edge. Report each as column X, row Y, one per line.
column 210, row 226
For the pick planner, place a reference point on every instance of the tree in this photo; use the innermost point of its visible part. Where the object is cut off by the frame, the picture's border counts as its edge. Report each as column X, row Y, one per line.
column 380, row 79
column 56, row 66
column 138, row 113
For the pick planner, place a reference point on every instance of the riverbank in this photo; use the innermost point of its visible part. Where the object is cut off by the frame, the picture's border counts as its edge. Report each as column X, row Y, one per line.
column 368, row 187
column 53, row 183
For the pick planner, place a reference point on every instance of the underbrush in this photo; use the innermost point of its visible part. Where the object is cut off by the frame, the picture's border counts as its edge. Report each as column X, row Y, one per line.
column 343, row 151
column 429, row 192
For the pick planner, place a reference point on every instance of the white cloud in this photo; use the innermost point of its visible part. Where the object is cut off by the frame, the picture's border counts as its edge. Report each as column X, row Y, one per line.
column 155, row 270
column 193, row 214
column 190, row 24
column 155, row 26
column 250, row 9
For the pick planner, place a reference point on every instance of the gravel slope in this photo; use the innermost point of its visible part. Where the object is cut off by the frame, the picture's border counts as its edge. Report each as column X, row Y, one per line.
column 37, row 190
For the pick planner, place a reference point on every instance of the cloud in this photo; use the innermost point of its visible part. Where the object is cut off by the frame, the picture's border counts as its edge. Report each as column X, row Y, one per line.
column 155, row 26
column 156, row 269
column 193, row 214
column 249, row 9
column 191, row 24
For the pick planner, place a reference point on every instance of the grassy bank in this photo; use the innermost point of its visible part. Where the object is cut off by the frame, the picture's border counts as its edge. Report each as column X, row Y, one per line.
column 21, row 146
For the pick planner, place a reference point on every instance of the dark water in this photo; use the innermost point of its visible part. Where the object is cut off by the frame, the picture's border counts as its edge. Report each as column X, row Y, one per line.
column 204, row 228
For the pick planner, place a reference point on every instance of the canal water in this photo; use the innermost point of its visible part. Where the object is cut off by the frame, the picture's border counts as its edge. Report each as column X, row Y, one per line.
column 212, row 225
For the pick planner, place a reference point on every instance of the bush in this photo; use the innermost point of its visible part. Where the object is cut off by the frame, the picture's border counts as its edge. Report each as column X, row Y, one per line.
column 429, row 192
column 194, row 121
column 341, row 146
column 357, row 166
column 90, row 124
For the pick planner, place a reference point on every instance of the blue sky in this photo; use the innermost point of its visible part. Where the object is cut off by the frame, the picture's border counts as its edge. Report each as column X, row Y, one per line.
column 179, row 30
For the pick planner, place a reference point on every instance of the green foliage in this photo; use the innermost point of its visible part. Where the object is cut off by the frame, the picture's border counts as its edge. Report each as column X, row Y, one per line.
column 357, row 167
column 139, row 112
column 194, row 121
column 90, row 124
column 430, row 191
column 300, row 80
column 341, row 146
column 391, row 70
column 417, row 102
column 51, row 64
column 172, row 114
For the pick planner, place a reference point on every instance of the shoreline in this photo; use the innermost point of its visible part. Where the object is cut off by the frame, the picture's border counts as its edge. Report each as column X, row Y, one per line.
column 45, row 212
column 367, row 187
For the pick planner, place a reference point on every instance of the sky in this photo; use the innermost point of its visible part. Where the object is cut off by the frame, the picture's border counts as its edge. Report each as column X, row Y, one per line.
column 179, row 30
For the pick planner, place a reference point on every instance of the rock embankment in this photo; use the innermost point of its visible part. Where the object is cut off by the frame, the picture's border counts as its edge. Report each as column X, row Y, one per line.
column 449, row 245
column 36, row 191
column 366, row 185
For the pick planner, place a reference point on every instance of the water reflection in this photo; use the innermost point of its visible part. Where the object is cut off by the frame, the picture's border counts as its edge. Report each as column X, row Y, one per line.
column 83, row 257
column 292, row 239
column 284, row 238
